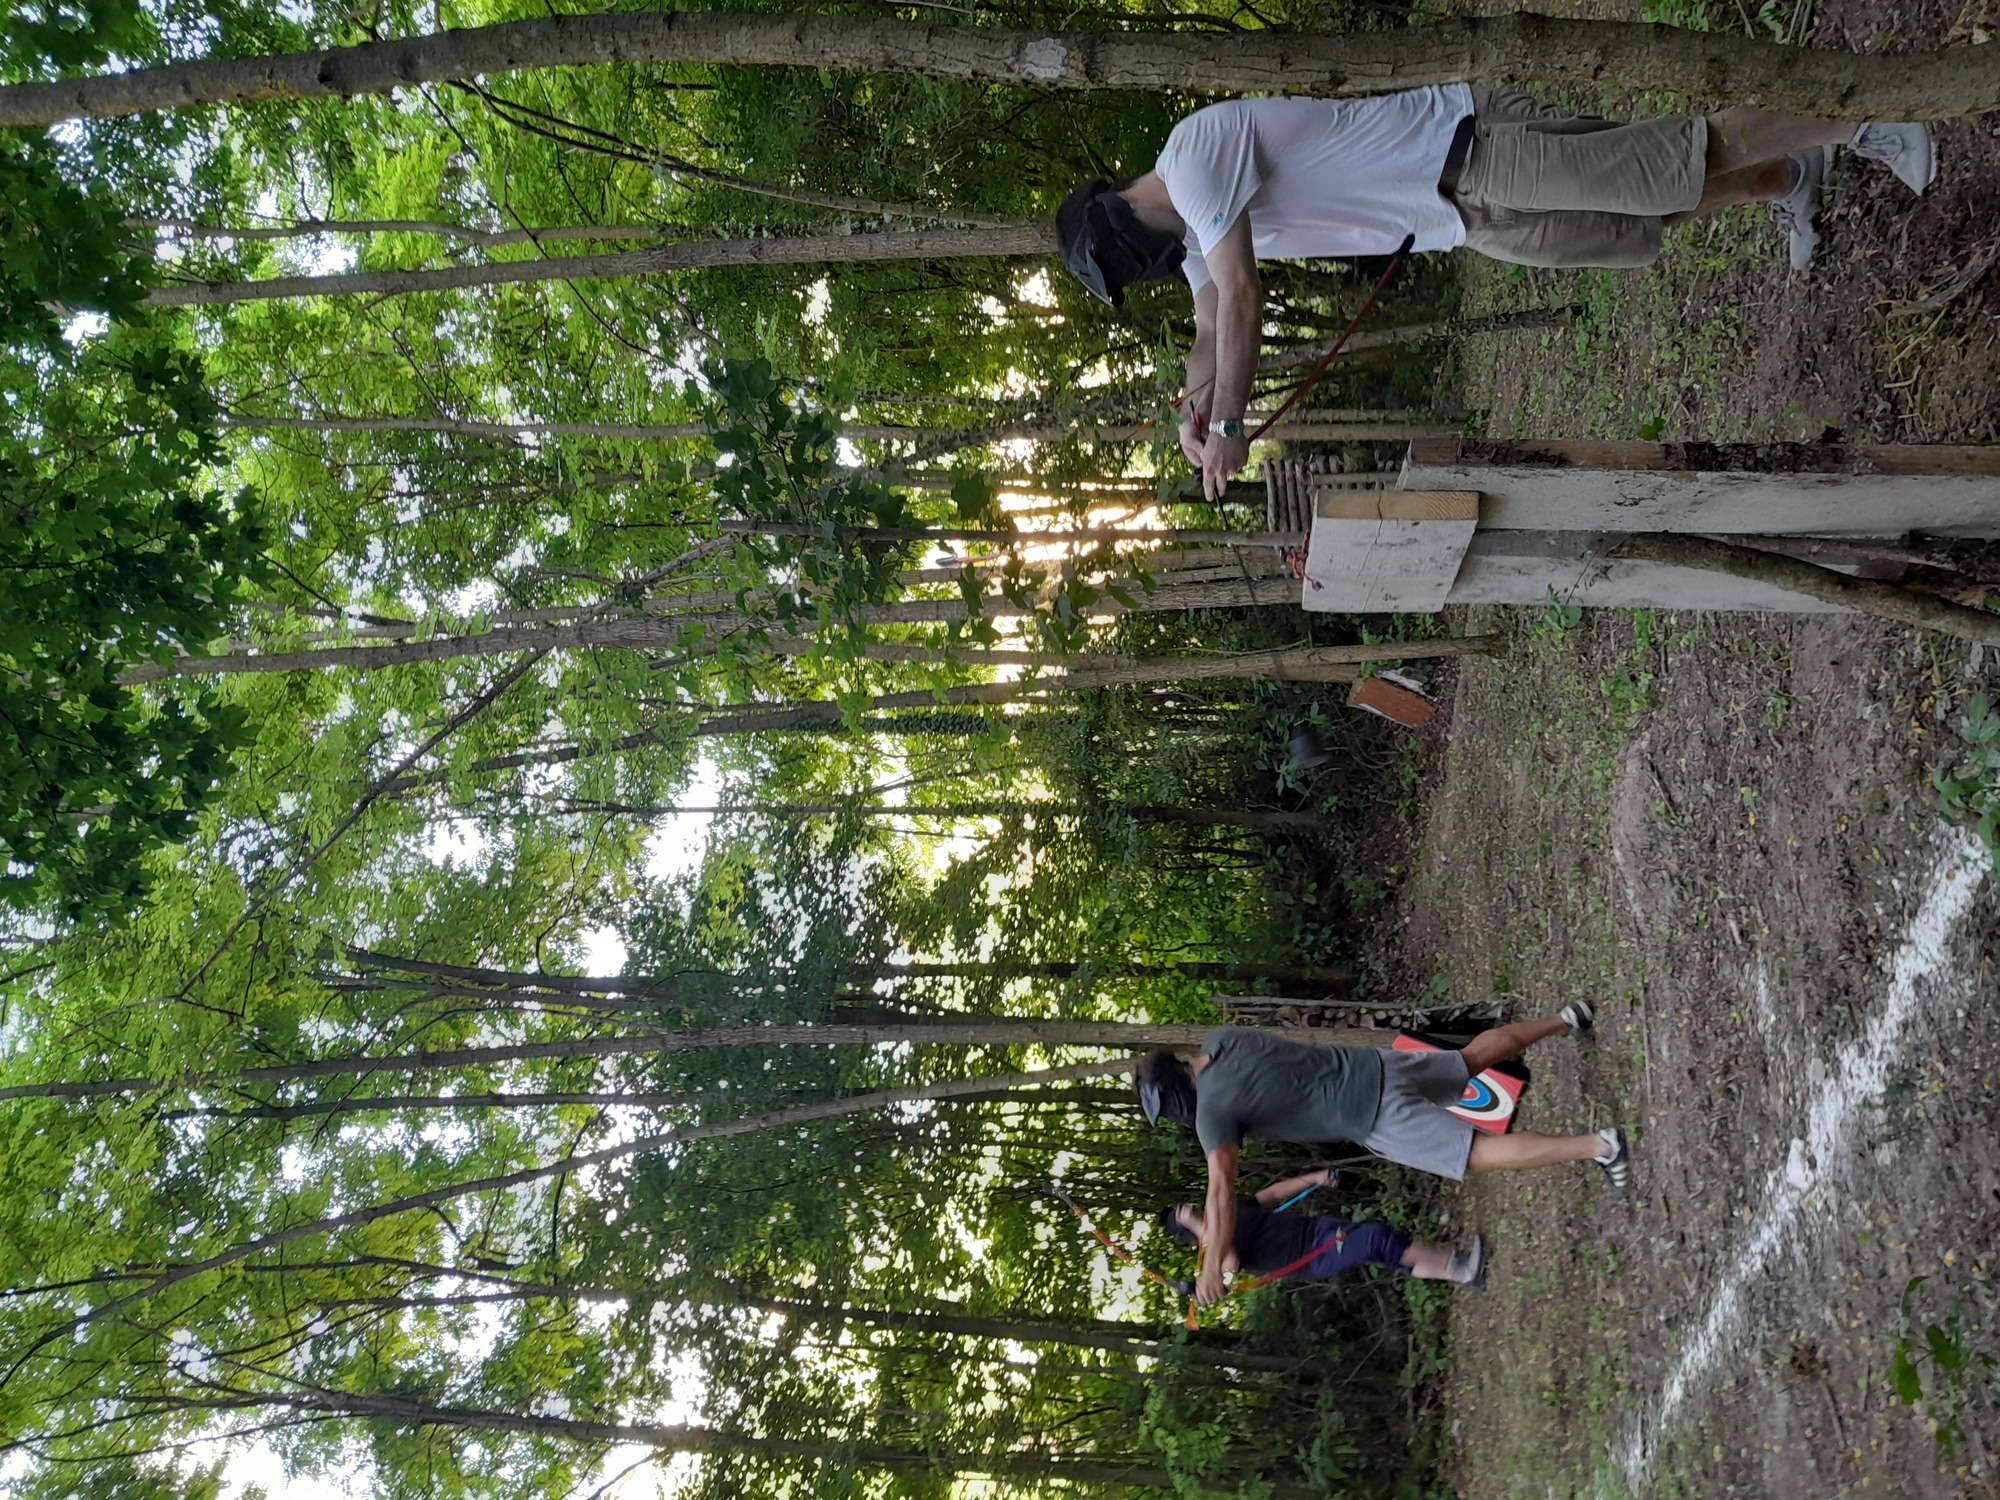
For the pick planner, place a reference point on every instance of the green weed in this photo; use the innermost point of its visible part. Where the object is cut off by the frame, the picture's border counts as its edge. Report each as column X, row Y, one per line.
column 1958, row 1378
column 1627, row 695
column 1971, row 791
column 1560, row 618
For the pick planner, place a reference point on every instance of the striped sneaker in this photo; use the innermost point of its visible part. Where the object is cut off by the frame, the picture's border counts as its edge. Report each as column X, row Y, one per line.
column 1578, row 1018
column 1616, row 1161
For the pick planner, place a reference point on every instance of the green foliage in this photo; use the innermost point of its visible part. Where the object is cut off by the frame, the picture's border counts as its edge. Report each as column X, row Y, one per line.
column 1970, row 791
column 1960, row 1379
column 60, row 249
column 120, row 552
column 781, row 467
column 1559, row 618
column 66, row 36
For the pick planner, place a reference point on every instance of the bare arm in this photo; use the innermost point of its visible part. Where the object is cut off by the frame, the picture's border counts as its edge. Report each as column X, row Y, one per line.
column 1218, row 1222
column 1199, row 387
column 1239, row 307
column 1291, row 1187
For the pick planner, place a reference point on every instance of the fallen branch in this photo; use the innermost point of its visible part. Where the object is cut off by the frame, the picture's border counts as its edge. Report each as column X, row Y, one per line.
column 1885, row 601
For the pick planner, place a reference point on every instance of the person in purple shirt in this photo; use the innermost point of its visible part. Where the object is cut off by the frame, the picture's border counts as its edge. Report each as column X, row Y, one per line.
column 1267, row 1241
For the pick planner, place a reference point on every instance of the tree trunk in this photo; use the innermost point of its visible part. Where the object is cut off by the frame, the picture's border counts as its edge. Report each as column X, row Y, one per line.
column 1306, row 428
column 1886, row 601
column 661, row 633
column 1332, row 979
column 1115, row 1337
column 1305, row 356
column 1013, row 1464
column 1598, row 54
column 1140, row 812
column 1031, row 238
column 484, row 239
column 985, row 1032
column 958, row 1088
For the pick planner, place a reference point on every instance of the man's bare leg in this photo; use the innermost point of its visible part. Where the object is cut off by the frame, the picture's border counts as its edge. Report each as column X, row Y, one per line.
column 1436, row 1263
column 1503, row 1042
column 1739, row 138
column 1758, row 184
column 1521, row 1149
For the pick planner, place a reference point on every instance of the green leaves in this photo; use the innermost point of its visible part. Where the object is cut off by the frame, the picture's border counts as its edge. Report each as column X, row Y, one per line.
column 119, row 551
column 780, row 467
column 61, row 251
column 1970, row 792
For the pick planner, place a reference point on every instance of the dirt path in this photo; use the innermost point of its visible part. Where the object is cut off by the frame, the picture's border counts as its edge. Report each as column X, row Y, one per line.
column 1719, row 829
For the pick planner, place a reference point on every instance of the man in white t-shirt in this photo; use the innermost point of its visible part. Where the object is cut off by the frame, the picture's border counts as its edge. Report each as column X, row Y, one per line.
column 1499, row 173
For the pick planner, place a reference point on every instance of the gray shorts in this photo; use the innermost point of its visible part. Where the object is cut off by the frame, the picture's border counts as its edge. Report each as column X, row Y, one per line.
column 1412, row 1125
column 1542, row 188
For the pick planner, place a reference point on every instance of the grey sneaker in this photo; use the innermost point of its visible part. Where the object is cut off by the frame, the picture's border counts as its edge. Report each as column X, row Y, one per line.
column 1905, row 150
column 1475, row 1280
column 1794, row 212
column 1578, row 1018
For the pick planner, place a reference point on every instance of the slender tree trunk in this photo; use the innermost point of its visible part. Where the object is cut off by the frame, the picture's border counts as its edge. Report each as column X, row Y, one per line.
column 1205, row 817
column 1033, row 238
column 662, row 632
column 1009, row 541
column 830, row 1109
column 662, row 1439
column 979, row 1033
column 1333, row 979
column 484, row 239
column 1306, row 428
column 1117, row 1338
column 1886, row 601
column 642, row 985
column 1599, row 54
column 1304, row 356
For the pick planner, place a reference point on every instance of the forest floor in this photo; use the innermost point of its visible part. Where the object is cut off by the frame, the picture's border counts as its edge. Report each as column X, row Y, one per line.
column 1721, row 830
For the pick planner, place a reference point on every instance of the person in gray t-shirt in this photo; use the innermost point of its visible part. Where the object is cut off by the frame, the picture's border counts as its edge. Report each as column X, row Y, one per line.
column 1394, row 1104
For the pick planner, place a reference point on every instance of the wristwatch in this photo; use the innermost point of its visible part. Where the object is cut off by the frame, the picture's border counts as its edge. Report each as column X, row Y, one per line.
column 1229, row 429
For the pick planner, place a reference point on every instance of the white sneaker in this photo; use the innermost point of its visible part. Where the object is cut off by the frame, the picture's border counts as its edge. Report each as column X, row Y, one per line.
column 1794, row 212
column 1905, row 150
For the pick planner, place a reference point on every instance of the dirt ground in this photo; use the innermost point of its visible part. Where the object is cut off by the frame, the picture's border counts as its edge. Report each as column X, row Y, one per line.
column 1720, row 829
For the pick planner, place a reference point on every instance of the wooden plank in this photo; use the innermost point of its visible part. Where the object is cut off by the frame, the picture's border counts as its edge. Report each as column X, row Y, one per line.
column 1554, row 489
column 1711, row 458
column 1394, row 551
column 1396, row 505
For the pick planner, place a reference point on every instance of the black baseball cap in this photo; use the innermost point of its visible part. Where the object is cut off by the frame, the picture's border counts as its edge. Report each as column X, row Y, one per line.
column 1107, row 248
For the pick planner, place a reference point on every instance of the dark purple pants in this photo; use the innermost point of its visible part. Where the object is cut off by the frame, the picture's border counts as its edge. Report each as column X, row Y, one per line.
column 1347, row 1245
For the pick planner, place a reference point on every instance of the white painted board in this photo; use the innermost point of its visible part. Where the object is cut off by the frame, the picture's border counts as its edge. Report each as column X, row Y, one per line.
column 1379, row 551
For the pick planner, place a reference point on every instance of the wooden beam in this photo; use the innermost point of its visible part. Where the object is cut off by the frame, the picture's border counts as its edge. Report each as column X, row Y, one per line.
column 1711, row 458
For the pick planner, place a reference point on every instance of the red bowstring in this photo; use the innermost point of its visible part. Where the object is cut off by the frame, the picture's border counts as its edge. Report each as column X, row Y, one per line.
column 1313, row 375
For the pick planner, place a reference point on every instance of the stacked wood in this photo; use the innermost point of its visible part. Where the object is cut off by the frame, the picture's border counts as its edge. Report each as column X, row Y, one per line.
column 1289, row 484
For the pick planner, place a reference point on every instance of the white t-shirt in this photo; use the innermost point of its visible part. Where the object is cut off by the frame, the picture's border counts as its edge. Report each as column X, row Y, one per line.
column 1318, row 177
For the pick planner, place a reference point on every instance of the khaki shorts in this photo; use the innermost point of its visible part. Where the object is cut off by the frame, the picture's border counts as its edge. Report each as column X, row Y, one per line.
column 1542, row 188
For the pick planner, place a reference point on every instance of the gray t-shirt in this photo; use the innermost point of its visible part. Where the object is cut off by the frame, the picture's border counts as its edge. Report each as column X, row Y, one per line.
column 1262, row 1085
